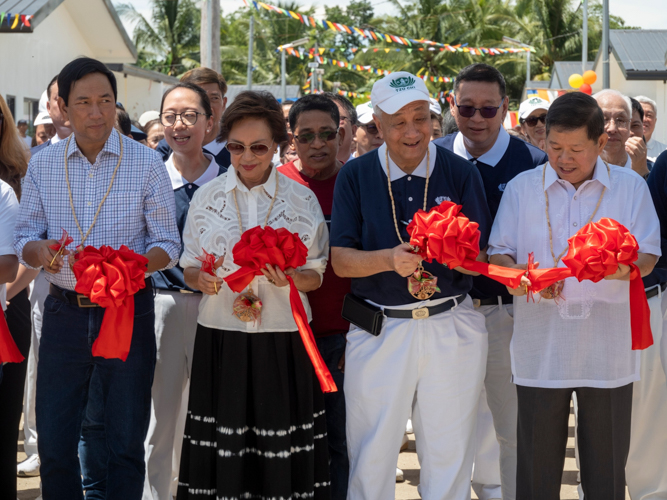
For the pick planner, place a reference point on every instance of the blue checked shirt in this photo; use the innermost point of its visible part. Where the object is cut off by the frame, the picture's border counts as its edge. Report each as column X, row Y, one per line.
column 139, row 211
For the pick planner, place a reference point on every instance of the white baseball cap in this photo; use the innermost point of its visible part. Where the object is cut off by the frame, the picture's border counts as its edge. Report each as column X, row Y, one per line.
column 148, row 116
column 435, row 106
column 398, row 89
column 530, row 105
column 365, row 113
column 43, row 118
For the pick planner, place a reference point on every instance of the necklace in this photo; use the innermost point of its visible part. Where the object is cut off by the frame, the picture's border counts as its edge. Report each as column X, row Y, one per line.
column 99, row 208
column 422, row 284
column 248, row 306
column 554, row 291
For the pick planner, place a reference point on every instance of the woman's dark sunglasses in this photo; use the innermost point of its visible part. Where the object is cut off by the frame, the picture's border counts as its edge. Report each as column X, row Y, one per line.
column 370, row 128
column 309, row 137
column 531, row 121
column 238, row 149
column 469, row 111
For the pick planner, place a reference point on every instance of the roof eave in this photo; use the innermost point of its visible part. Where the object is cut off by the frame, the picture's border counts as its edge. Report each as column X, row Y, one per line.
column 121, row 28
column 646, row 75
column 147, row 74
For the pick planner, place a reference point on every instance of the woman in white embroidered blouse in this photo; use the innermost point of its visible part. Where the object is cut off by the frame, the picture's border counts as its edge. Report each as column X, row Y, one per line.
column 256, row 424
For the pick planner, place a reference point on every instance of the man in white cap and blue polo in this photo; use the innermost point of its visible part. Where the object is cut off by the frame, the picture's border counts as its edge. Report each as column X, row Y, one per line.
column 418, row 348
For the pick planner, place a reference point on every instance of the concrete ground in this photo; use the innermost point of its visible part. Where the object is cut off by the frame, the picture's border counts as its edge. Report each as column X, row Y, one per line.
column 29, row 487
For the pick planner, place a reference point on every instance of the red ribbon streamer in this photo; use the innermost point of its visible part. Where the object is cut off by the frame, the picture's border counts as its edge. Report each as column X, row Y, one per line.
column 282, row 248
column 9, row 353
column 595, row 252
column 207, row 262
column 110, row 278
column 62, row 242
column 448, row 237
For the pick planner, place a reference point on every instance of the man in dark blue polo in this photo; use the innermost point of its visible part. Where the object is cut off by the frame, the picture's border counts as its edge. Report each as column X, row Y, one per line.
column 216, row 87
column 479, row 105
column 430, row 351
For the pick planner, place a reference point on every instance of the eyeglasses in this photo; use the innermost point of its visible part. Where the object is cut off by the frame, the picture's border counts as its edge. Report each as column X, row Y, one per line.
column 309, row 137
column 531, row 121
column 236, row 148
column 620, row 122
column 189, row 118
column 370, row 128
column 469, row 111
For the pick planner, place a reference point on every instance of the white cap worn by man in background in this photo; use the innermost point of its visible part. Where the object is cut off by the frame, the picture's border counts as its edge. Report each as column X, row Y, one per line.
column 368, row 136
column 436, row 119
column 533, row 120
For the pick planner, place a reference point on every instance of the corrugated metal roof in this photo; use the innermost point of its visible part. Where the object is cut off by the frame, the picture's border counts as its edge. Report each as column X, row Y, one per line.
column 640, row 53
column 563, row 69
column 27, row 7
column 38, row 9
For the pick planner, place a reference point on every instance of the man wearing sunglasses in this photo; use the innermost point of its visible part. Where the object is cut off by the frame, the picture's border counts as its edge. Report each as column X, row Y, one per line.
column 479, row 104
column 412, row 344
column 533, row 120
column 368, row 135
column 314, row 122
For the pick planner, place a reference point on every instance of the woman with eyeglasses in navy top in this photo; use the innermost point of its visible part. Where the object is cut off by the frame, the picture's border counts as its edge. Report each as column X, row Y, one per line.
column 255, row 425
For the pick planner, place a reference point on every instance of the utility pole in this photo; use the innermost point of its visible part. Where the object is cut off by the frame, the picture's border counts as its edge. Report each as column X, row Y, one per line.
column 584, row 39
column 209, row 38
column 605, row 44
column 251, row 42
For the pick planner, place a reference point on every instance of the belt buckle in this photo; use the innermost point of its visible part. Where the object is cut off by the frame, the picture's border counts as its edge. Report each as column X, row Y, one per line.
column 421, row 313
column 87, row 302
column 477, row 303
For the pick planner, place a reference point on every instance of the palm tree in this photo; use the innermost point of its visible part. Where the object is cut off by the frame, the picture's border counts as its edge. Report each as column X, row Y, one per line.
column 169, row 42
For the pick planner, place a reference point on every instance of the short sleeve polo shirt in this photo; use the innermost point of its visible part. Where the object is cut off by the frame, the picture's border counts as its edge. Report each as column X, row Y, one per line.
column 362, row 216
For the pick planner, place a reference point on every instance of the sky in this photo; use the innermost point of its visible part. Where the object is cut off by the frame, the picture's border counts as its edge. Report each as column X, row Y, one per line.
column 647, row 14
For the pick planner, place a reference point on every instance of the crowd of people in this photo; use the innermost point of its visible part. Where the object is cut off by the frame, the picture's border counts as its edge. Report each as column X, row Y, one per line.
column 219, row 394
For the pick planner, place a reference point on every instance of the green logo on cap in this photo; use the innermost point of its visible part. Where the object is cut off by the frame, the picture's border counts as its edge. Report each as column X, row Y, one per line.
column 402, row 83
column 535, row 100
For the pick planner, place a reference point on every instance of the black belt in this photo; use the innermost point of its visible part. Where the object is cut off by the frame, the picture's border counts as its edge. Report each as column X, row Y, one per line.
column 76, row 299
column 424, row 312
column 493, row 301
column 655, row 290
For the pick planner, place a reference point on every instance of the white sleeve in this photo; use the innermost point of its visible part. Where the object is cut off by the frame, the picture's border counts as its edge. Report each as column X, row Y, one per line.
column 505, row 231
column 9, row 209
column 318, row 246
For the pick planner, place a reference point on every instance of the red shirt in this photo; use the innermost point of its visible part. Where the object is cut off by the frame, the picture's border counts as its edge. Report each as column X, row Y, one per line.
column 327, row 301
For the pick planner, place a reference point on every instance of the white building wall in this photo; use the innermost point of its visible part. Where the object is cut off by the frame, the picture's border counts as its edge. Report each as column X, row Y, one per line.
column 30, row 60
column 139, row 94
column 654, row 89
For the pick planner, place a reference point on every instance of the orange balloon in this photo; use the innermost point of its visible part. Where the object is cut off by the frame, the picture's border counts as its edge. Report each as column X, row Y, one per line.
column 586, row 89
column 590, row 77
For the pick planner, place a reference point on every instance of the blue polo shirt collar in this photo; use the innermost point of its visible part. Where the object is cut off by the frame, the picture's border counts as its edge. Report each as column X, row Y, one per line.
column 396, row 172
column 492, row 156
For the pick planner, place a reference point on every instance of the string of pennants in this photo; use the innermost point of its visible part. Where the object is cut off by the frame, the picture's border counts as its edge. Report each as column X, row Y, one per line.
column 356, row 95
column 377, row 36
column 363, row 68
column 12, row 20
column 493, row 51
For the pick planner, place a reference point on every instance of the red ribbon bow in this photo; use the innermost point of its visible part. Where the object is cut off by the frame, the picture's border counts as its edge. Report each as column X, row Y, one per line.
column 595, row 252
column 110, row 278
column 447, row 236
column 207, row 262
column 282, row 248
column 9, row 353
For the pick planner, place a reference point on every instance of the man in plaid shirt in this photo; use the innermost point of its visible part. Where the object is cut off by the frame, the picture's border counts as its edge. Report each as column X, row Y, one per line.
column 138, row 212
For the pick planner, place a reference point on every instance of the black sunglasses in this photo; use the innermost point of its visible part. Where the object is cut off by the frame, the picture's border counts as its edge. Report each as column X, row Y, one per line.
column 469, row 111
column 309, row 137
column 370, row 128
column 531, row 121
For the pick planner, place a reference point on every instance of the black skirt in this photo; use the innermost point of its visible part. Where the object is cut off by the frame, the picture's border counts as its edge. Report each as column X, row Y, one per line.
column 256, row 426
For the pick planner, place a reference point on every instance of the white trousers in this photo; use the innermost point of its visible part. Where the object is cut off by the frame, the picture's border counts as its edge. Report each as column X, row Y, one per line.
column 495, row 457
column 646, row 469
column 175, row 327
column 39, row 291
column 439, row 363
